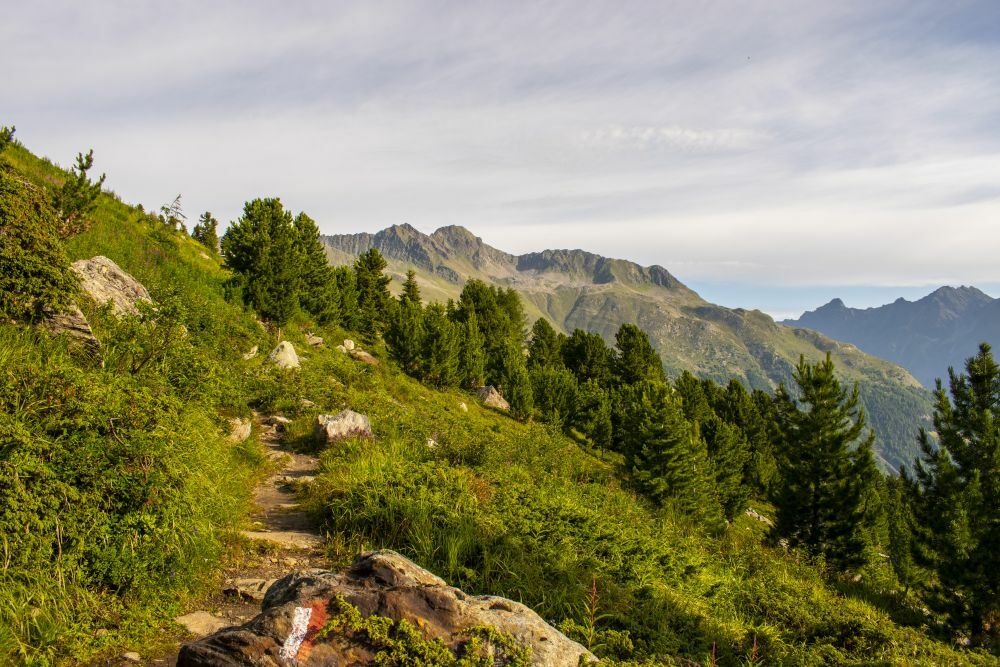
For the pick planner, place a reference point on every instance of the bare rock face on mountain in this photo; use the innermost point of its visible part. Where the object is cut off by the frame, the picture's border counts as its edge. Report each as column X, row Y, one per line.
column 284, row 356
column 384, row 584
column 492, row 398
column 345, row 424
column 105, row 281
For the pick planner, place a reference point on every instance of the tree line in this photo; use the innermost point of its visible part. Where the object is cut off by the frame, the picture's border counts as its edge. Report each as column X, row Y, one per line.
column 703, row 449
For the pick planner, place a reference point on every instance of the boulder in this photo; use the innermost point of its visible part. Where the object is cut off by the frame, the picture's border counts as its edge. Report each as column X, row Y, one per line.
column 251, row 353
column 105, row 281
column 313, row 340
column 284, row 356
column 492, row 398
column 239, row 429
column 72, row 324
column 348, row 344
column 201, row 623
column 342, row 349
column 345, row 424
column 379, row 583
column 360, row 355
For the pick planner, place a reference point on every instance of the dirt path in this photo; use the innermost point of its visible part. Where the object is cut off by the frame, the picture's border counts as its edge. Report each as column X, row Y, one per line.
column 283, row 535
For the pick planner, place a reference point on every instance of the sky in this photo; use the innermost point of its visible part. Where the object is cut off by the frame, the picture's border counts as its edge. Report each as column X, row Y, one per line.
column 771, row 155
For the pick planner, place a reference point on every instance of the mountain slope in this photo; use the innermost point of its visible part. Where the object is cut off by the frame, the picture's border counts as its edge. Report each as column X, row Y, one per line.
column 578, row 289
column 926, row 336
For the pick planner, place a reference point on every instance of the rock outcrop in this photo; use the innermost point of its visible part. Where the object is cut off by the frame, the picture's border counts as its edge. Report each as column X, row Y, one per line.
column 384, row 584
column 284, row 356
column 345, row 424
column 105, row 281
column 492, row 398
column 72, row 324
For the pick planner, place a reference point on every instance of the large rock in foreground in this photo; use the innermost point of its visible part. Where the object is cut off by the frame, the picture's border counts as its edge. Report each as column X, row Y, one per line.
column 345, row 424
column 381, row 583
column 105, row 281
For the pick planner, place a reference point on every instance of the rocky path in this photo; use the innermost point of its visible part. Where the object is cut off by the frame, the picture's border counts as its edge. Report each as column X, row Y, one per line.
column 283, row 536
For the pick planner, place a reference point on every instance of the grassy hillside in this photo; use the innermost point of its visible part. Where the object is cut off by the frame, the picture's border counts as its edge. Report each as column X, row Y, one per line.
column 119, row 494
column 574, row 289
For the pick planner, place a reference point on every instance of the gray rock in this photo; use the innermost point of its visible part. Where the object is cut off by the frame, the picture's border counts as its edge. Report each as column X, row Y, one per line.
column 105, row 281
column 313, row 340
column 381, row 583
column 201, row 623
column 284, row 356
column 345, row 424
column 362, row 356
column 239, row 429
column 251, row 353
column 492, row 398
column 75, row 326
column 342, row 349
column 248, row 589
column 348, row 344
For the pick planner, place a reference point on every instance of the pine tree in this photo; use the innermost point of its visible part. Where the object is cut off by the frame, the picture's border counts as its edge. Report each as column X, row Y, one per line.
column 6, row 136
column 404, row 336
column 472, row 359
column 545, row 348
column 206, row 232
column 636, row 359
column 693, row 399
column 957, row 504
column 499, row 312
column 591, row 416
column 737, row 407
column 347, row 293
column 729, row 454
column 515, row 383
column 440, row 347
column 827, row 467
column 260, row 248
column 899, row 529
column 78, row 196
column 374, row 300
column 670, row 461
column 411, row 291
column 588, row 356
column 318, row 284
column 554, row 391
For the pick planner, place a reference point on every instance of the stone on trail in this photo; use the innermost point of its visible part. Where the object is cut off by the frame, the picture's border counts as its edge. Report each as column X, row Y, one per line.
column 239, row 429
column 381, row 583
column 345, row 424
column 201, row 623
column 284, row 356
column 249, row 589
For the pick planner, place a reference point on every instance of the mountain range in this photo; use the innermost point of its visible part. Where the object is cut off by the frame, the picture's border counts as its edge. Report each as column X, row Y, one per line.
column 578, row 289
column 926, row 336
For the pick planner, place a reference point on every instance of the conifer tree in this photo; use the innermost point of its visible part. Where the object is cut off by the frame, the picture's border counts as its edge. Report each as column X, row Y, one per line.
column 515, row 383
column 736, row 406
column 588, row 356
column 957, row 504
column 472, row 360
column 827, row 467
column 6, row 136
column 374, row 300
column 404, row 336
column 261, row 249
column 591, row 416
column 206, row 232
column 545, row 348
column 78, row 196
column 899, row 529
column 411, row 290
column 693, row 399
column 554, row 391
column 670, row 461
column 636, row 359
column 318, row 285
column 347, row 293
column 498, row 312
column 729, row 454
column 440, row 346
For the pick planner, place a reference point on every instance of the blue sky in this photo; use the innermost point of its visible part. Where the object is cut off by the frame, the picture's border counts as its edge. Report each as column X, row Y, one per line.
column 771, row 155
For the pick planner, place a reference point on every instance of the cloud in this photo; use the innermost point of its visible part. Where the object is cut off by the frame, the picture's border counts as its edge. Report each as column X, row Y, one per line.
column 810, row 144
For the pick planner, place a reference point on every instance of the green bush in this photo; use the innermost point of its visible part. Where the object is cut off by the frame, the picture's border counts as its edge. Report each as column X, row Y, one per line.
column 35, row 276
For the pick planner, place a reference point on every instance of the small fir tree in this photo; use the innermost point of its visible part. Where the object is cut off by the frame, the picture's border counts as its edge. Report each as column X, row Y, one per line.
column 591, row 416
column 554, row 391
column 515, row 382
column 404, row 337
column 588, row 356
column 636, row 359
column 318, row 284
column 6, row 137
column 411, row 290
column 440, row 347
column 206, row 231
column 77, row 198
column 545, row 348
column 729, row 454
column 374, row 300
column 827, row 467
column 472, row 361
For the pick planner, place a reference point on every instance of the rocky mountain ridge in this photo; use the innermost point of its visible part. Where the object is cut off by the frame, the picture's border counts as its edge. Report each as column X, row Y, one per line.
column 926, row 336
column 579, row 289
